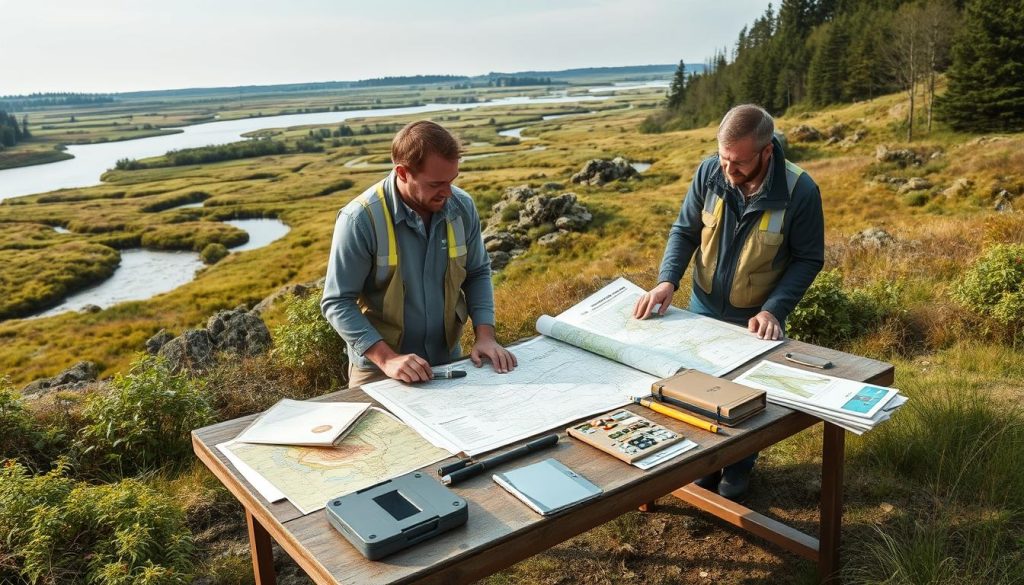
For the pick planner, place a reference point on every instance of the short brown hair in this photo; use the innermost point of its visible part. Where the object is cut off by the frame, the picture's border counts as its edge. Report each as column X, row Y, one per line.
column 746, row 120
column 414, row 143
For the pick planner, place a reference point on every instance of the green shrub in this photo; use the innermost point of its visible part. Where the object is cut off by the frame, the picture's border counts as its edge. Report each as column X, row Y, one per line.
column 21, row 438
column 145, row 419
column 57, row 530
column 308, row 342
column 213, row 253
column 511, row 211
column 994, row 287
column 828, row 314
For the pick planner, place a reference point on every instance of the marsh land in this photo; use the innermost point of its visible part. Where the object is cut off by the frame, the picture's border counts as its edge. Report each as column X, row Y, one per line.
column 931, row 484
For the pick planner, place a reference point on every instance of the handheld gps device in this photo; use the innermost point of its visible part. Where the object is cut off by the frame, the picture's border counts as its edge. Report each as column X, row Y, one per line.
column 397, row 513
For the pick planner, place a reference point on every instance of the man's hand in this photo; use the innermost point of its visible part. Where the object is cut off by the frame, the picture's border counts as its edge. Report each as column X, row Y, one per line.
column 765, row 326
column 659, row 295
column 487, row 347
column 408, row 367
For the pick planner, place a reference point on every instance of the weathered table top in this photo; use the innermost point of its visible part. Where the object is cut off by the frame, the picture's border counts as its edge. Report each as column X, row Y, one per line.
column 502, row 530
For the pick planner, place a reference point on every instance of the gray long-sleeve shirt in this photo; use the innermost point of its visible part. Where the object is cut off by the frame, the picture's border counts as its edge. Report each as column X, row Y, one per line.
column 422, row 262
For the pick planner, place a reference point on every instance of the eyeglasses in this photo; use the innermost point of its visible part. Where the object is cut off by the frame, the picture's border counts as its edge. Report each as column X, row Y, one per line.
column 740, row 163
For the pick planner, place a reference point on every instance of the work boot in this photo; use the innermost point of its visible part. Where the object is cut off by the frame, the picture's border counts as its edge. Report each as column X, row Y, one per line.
column 735, row 481
column 710, row 481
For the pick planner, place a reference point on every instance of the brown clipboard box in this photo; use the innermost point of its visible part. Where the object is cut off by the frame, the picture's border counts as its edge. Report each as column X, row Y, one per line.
column 720, row 401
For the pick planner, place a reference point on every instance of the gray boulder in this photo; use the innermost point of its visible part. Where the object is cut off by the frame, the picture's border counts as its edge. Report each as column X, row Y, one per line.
column 960, row 188
column 73, row 378
column 598, row 171
column 499, row 242
column 191, row 351
column 804, row 133
column 873, row 237
column 499, row 259
column 160, row 339
column 239, row 331
column 1004, row 202
column 915, row 184
column 902, row 156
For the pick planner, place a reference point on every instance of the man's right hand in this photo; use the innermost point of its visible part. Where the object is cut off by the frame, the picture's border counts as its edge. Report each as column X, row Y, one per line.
column 407, row 367
column 659, row 295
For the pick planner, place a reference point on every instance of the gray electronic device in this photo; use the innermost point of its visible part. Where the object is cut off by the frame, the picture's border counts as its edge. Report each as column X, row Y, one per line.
column 397, row 513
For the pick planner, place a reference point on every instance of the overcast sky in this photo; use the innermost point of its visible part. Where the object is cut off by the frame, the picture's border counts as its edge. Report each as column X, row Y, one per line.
column 124, row 45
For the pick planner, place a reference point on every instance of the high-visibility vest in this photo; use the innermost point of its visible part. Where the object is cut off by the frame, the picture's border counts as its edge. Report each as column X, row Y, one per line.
column 389, row 319
column 755, row 276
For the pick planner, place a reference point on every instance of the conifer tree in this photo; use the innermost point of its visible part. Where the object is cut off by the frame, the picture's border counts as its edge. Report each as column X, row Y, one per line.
column 677, row 91
column 986, row 78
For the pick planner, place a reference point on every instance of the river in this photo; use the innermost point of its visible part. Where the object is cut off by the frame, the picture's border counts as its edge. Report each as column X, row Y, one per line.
column 92, row 160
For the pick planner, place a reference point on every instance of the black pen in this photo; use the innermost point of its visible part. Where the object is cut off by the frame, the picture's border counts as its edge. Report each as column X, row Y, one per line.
column 449, row 374
column 482, row 466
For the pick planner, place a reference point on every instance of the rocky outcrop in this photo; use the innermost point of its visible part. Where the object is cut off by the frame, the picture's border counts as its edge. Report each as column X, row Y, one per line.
column 238, row 332
column 76, row 377
column 873, row 237
column 521, row 209
column 915, row 184
column 960, row 188
column 804, row 133
column 191, row 351
column 598, row 171
column 160, row 339
column 1003, row 202
column 297, row 290
column 902, row 156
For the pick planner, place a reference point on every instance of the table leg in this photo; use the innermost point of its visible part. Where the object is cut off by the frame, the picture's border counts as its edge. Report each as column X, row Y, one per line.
column 833, row 453
column 262, row 554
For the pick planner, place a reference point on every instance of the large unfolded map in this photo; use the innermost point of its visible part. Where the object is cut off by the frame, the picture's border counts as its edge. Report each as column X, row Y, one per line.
column 603, row 323
column 554, row 384
column 378, row 447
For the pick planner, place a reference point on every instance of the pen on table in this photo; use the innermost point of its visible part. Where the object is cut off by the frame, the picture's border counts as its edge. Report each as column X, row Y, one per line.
column 446, row 469
column 492, row 462
column 676, row 414
column 449, row 374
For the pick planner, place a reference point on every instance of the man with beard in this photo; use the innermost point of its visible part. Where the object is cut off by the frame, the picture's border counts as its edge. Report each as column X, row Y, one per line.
column 754, row 220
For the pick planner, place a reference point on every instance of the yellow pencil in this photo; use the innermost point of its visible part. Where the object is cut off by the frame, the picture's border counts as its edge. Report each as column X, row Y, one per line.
column 677, row 414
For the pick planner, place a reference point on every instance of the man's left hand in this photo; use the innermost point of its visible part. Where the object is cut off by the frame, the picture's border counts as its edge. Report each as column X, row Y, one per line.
column 487, row 347
column 765, row 326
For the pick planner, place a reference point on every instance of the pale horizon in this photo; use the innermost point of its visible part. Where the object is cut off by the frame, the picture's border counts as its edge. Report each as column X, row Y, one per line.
column 117, row 46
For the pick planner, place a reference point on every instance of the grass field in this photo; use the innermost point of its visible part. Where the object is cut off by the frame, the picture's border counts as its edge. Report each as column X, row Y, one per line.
column 933, row 496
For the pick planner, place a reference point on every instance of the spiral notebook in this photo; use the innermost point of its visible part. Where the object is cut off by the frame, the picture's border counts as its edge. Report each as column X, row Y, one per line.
column 548, row 486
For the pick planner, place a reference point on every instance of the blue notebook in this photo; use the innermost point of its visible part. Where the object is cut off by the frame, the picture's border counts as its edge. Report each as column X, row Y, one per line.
column 547, row 486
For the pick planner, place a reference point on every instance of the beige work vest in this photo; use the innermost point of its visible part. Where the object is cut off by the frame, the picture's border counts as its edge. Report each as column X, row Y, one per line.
column 755, row 277
column 389, row 319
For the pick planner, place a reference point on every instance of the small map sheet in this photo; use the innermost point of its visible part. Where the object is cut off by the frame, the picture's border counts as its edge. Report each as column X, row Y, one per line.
column 379, row 447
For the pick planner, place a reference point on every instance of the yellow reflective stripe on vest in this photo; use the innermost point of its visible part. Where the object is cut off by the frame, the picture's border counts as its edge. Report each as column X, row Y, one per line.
column 713, row 204
column 387, row 247
column 771, row 220
column 387, row 250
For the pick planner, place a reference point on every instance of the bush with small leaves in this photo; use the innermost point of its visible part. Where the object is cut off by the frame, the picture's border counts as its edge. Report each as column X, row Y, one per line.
column 58, row 530
column 828, row 314
column 144, row 420
column 994, row 288
column 213, row 253
column 308, row 342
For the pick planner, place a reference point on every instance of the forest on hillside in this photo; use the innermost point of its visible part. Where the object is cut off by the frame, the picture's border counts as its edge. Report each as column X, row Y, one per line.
column 815, row 53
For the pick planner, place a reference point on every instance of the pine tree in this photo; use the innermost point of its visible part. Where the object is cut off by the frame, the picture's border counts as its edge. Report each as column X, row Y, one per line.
column 986, row 78
column 677, row 91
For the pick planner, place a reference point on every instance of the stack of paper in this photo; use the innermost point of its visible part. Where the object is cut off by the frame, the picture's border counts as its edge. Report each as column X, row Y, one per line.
column 855, row 406
column 295, row 422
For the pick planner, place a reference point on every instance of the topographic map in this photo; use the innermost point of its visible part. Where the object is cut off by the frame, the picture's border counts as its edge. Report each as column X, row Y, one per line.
column 379, row 447
column 554, row 384
column 604, row 324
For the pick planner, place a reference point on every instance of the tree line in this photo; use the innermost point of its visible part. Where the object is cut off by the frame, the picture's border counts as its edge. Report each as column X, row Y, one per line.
column 822, row 52
column 12, row 131
column 19, row 103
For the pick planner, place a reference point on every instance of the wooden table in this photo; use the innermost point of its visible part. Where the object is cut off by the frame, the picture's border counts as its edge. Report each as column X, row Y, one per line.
column 502, row 530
